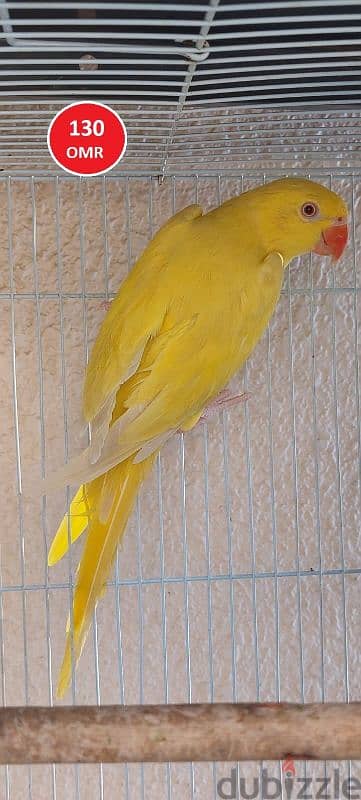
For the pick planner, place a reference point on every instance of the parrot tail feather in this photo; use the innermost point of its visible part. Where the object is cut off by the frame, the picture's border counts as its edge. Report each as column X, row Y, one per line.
column 71, row 527
column 111, row 499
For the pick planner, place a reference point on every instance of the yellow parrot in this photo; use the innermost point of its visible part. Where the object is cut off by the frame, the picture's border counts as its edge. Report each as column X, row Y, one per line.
column 183, row 322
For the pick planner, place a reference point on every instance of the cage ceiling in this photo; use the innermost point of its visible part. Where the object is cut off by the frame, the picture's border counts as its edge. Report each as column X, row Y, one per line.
column 201, row 86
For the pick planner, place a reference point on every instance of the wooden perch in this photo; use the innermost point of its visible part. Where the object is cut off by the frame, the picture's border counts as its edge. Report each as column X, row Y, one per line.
column 217, row 732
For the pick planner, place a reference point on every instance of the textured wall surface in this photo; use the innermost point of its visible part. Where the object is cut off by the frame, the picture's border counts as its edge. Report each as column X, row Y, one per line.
column 240, row 573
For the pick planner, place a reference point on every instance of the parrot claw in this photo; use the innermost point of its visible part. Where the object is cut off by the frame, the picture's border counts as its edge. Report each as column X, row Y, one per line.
column 222, row 402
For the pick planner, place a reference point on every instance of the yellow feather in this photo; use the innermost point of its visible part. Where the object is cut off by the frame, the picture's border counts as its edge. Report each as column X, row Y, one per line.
column 71, row 526
column 184, row 321
column 97, row 560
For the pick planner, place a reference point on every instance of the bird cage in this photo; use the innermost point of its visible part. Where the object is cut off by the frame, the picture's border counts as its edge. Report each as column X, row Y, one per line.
column 239, row 578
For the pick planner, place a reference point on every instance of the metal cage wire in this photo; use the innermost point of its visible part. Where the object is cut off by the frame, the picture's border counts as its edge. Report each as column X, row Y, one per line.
column 239, row 577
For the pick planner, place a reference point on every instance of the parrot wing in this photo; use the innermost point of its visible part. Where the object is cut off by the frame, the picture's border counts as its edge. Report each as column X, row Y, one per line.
column 145, row 404
column 135, row 316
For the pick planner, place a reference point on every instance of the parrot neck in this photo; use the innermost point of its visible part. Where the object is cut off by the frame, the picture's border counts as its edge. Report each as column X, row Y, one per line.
column 267, row 230
column 246, row 220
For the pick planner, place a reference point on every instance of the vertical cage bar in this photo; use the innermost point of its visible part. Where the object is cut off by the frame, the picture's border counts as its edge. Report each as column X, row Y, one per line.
column 59, row 276
column 105, row 236
column 252, row 535
column 356, row 339
column 274, row 529
column 161, row 544
column 339, row 490
column 138, row 518
column 295, row 479
column 120, row 654
column 82, row 223
column 183, row 512
column 251, row 525
column 42, row 448
column 208, row 553
column 18, row 451
column 339, row 486
column 2, row 668
column 225, row 447
column 122, row 692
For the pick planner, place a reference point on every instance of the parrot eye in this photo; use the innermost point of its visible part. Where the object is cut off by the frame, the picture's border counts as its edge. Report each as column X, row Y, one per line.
column 309, row 210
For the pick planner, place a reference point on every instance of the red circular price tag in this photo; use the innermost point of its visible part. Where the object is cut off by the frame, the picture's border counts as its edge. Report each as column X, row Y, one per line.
column 87, row 138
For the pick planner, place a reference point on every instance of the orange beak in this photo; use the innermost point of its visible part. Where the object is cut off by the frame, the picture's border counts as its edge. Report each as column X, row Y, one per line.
column 333, row 240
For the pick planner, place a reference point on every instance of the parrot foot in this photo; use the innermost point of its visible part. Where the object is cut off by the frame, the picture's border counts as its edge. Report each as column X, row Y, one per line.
column 223, row 401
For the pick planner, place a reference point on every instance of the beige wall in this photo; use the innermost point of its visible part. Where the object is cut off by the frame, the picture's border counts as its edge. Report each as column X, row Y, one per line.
column 269, row 485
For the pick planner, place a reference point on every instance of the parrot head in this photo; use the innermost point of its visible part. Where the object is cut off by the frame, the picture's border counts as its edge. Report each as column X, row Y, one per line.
column 300, row 216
